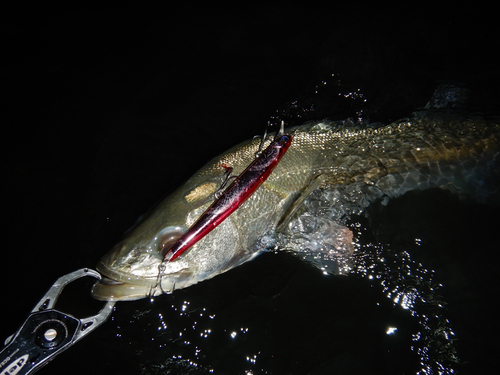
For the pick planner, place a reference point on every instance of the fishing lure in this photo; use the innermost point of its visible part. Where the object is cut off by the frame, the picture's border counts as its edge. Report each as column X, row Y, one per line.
column 235, row 195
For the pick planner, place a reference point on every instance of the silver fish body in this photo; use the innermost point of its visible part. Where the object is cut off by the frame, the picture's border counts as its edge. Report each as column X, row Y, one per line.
column 354, row 164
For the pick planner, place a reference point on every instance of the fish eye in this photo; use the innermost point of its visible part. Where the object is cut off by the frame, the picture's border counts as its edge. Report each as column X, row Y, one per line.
column 168, row 238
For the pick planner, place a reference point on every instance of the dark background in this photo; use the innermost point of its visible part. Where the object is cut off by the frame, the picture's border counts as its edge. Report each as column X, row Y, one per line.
column 106, row 109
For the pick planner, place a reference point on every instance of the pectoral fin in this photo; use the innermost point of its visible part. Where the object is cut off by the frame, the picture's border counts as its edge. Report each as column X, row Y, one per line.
column 316, row 237
column 289, row 214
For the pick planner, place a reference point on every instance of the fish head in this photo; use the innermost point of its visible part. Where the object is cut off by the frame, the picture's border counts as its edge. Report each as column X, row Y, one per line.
column 135, row 268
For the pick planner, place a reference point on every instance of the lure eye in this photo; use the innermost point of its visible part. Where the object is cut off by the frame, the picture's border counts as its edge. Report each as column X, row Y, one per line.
column 285, row 139
column 168, row 238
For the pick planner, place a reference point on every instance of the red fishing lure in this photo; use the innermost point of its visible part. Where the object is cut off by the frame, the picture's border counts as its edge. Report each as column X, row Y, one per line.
column 234, row 196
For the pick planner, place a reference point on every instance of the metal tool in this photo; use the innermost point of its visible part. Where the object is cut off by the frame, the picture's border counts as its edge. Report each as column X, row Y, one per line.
column 48, row 332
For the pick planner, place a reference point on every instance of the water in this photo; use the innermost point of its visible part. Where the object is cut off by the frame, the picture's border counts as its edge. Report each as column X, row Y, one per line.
column 126, row 104
column 401, row 309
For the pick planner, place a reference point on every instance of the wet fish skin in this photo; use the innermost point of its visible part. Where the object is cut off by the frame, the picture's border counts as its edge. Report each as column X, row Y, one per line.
column 361, row 164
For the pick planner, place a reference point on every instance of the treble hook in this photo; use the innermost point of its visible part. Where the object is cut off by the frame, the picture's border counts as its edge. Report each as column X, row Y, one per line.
column 263, row 139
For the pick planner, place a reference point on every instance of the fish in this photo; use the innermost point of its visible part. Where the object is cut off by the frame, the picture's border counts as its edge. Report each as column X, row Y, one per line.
column 334, row 169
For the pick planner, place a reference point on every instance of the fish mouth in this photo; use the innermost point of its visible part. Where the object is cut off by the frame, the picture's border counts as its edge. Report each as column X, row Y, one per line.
column 108, row 289
column 115, row 286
